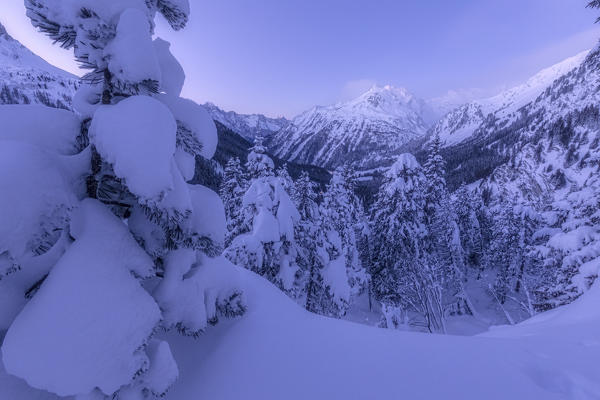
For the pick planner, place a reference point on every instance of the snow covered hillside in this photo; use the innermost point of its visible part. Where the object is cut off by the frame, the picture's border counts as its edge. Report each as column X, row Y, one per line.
column 26, row 78
column 365, row 131
column 462, row 122
column 249, row 126
column 278, row 351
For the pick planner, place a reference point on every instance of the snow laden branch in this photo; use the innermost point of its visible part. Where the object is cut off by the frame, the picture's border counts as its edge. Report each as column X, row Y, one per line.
column 103, row 242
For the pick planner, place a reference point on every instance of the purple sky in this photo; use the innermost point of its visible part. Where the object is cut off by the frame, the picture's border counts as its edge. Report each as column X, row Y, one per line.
column 280, row 57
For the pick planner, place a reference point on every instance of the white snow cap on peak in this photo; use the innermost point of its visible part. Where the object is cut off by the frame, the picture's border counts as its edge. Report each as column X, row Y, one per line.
column 405, row 162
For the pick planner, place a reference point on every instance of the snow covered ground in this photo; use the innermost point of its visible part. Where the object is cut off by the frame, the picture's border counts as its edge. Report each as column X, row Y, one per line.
column 279, row 351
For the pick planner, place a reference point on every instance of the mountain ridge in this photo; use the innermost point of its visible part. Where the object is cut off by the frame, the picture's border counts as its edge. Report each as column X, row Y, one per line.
column 363, row 131
column 248, row 125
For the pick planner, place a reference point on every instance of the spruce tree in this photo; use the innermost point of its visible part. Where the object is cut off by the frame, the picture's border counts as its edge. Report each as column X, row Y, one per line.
column 342, row 212
column 443, row 243
column 510, row 258
column 233, row 187
column 286, row 180
column 259, row 164
column 312, row 257
column 133, row 142
column 397, row 232
column 268, row 247
column 466, row 205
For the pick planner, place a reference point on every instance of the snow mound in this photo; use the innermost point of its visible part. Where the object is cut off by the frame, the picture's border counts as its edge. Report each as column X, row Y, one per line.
column 195, row 118
column 279, row 351
column 172, row 74
column 85, row 327
column 208, row 218
column 50, row 128
column 137, row 136
column 193, row 288
column 131, row 54
column 35, row 198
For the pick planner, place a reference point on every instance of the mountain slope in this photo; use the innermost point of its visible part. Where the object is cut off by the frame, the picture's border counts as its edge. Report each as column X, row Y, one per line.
column 26, row 78
column 462, row 122
column 365, row 131
column 249, row 126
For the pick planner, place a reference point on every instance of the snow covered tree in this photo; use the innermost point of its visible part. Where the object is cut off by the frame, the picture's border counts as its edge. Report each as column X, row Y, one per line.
column 568, row 247
column 510, row 259
column 466, row 204
column 398, row 229
column 259, row 164
column 101, row 203
column 269, row 247
column 443, row 243
column 435, row 172
column 233, row 187
column 286, row 180
column 342, row 212
column 312, row 257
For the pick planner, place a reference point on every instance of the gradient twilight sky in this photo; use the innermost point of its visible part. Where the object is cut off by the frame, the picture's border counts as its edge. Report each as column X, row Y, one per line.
column 280, row 57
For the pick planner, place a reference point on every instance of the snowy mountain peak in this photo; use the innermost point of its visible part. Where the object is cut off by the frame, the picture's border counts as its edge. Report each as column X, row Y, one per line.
column 389, row 102
column 365, row 131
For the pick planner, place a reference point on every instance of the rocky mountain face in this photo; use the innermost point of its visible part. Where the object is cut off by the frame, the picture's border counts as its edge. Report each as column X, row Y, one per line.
column 249, row 126
column 366, row 131
column 26, row 78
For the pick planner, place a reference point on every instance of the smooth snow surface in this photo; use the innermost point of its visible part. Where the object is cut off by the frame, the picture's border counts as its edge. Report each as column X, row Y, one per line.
column 172, row 74
column 137, row 136
column 131, row 54
column 29, row 207
column 94, row 315
column 196, row 119
column 50, row 128
column 278, row 351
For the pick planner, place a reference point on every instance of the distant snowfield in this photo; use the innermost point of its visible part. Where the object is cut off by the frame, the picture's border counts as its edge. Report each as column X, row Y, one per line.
column 279, row 351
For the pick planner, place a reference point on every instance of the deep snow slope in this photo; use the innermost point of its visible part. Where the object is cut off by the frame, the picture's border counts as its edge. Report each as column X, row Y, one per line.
column 365, row 131
column 249, row 126
column 279, row 351
column 462, row 122
column 26, row 78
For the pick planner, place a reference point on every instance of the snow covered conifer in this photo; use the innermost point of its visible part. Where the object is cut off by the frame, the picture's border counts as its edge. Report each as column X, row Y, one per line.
column 232, row 191
column 510, row 258
column 130, row 149
column 269, row 247
column 469, row 226
column 435, row 171
column 397, row 230
column 312, row 257
column 259, row 164
column 342, row 210
column 286, row 180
